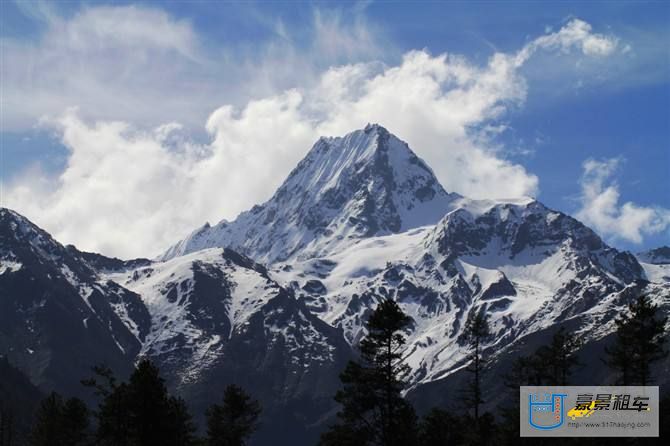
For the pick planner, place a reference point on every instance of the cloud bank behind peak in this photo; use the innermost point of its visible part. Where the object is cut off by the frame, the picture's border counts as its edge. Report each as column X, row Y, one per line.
column 131, row 191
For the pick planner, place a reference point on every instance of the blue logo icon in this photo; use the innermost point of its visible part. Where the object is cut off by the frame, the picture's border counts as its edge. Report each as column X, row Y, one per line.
column 545, row 410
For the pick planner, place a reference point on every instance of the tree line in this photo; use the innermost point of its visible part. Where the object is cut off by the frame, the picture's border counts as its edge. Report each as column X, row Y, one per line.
column 140, row 412
column 374, row 413
column 373, row 410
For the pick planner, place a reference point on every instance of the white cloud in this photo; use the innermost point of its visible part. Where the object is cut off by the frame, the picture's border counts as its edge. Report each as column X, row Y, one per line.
column 130, row 192
column 142, row 65
column 110, row 61
column 118, row 27
column 601, row 209
column 576, row 33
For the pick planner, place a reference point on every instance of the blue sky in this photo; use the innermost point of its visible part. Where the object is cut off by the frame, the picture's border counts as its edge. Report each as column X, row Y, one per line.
column 153, row 63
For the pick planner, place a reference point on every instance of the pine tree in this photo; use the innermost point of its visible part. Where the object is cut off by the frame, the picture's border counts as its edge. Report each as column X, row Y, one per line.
column 46, row 431
column 114, row 418
column 555, row 362
column 76, row 420
column 640, row 339
column 112, row 415
column 233, row 422
column 140, row 412
column 60, row 423
column 148, row 408
column 438, row 428
column 373, row 410
column 476, row 332
column 183, row 428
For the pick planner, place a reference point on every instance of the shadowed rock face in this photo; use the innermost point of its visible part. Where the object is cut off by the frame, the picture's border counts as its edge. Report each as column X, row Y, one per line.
column 19, row 400
column 56, row 318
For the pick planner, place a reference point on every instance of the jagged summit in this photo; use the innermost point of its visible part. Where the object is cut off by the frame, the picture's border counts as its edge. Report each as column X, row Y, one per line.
column 19, row 236
column 13, row 219
column 366, row 183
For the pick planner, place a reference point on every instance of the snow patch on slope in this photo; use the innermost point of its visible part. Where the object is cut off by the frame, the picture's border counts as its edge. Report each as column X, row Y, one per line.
column 9, row 266
column 657, row 273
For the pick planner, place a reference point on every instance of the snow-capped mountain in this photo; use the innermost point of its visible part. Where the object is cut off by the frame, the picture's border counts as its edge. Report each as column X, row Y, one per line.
column 529, row 267
column 57, row 318
column 199, row 302
column 364, row 184
column 206, row 319
column 277, row 300
column 218, row 317
column 362, row 217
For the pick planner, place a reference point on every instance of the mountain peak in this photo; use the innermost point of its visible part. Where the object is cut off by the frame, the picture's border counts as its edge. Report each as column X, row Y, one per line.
column 373, row 126
column 368, row 182
column 353, row 148
column 8, row 215
column 371, row 157
column 15, row 229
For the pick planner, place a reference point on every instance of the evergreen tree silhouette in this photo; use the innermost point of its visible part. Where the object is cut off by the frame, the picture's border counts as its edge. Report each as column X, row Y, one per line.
column 233, row 422
column 46, row 431
column 60, row 423
column 373, row 410
column 640, row 339
column 140, row 412
column 112, row 415
column 76, row 421
column 555, row 362
column 147, row 405
column 114, row 418
column 183, row 428
column 439, row 427
column 476, row 332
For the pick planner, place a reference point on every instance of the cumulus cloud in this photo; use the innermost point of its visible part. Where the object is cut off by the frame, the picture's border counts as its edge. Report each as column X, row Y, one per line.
column 128, row 191
column 575, row 34
column 600, row 206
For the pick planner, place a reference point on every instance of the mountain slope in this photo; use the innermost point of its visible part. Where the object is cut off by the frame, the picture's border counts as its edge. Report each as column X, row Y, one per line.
column 656, row 264
column 57, row 318
column 201, row 301
column 529, row 267
column 349, row 227
column 366, row 183
column 217, row 317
